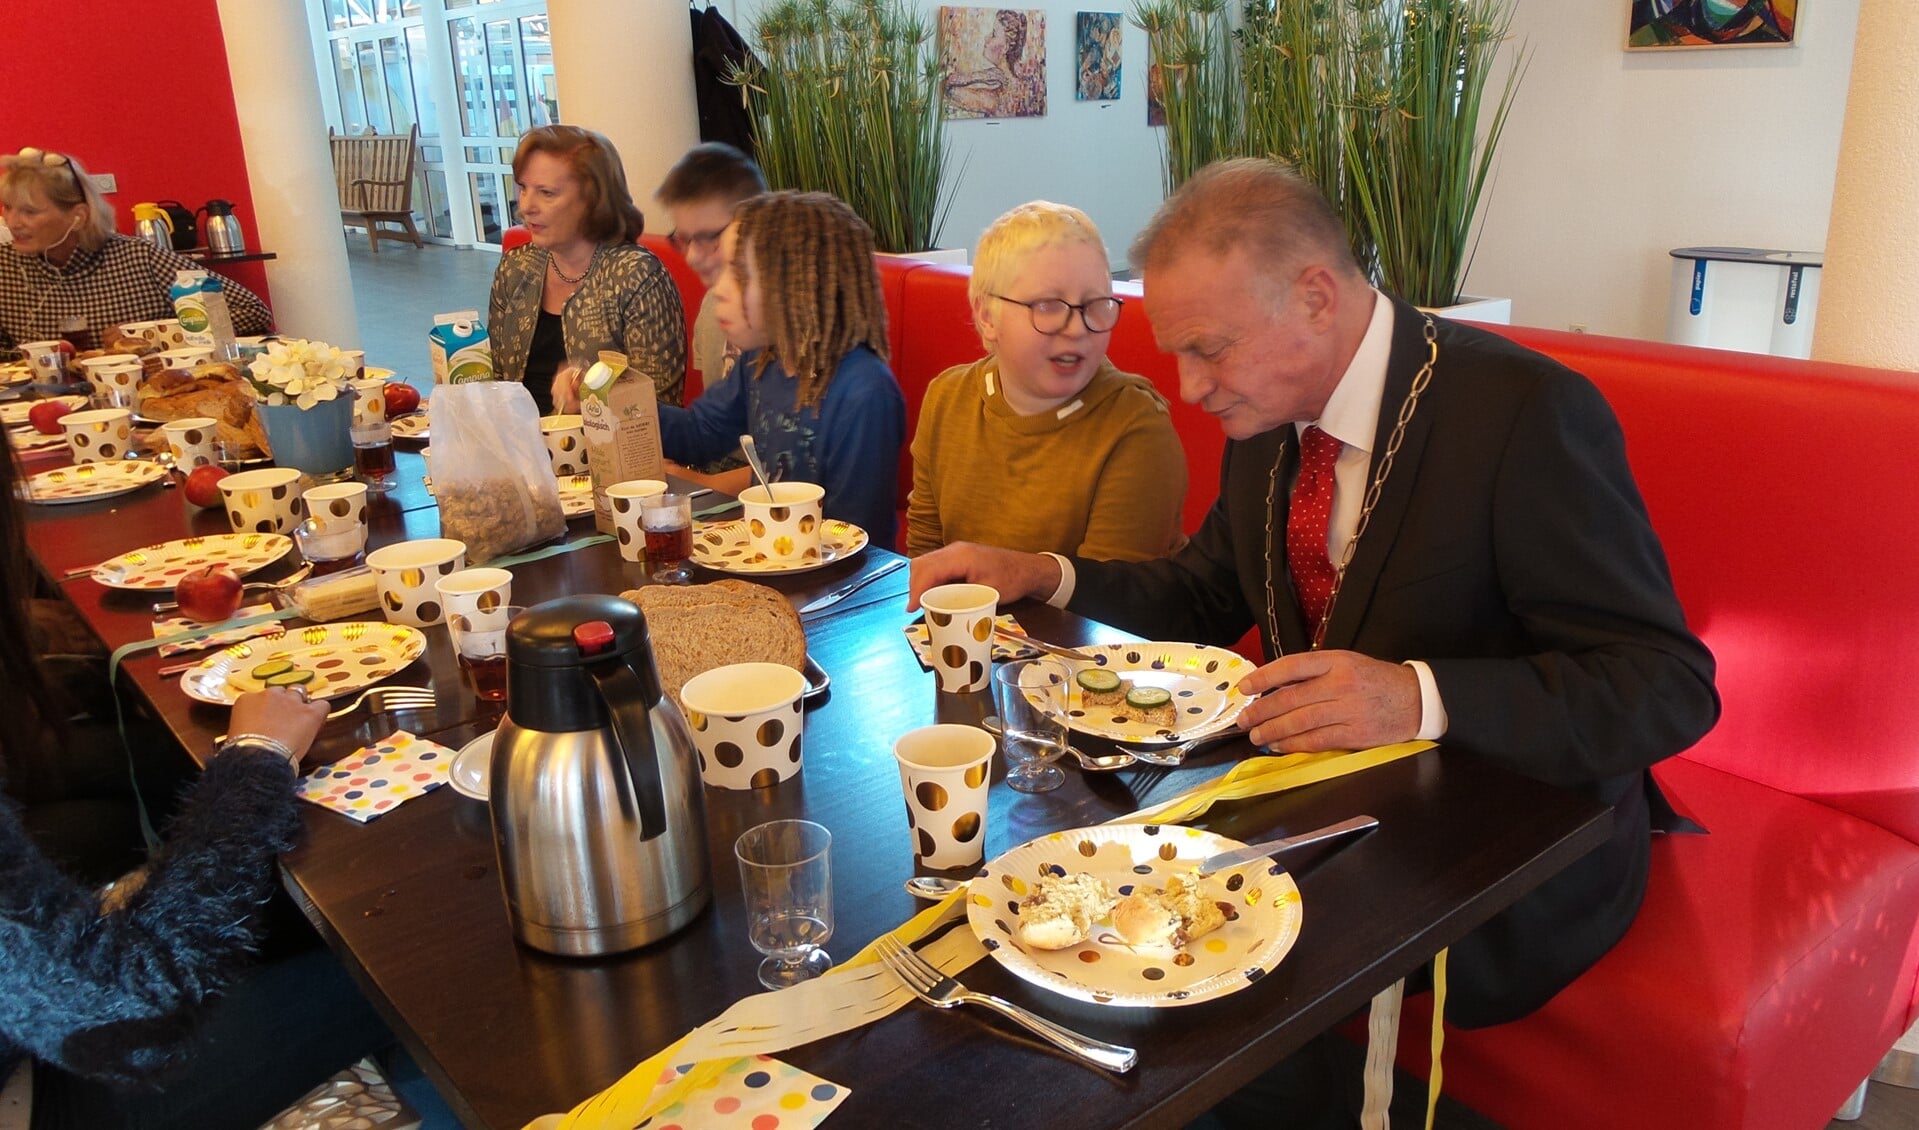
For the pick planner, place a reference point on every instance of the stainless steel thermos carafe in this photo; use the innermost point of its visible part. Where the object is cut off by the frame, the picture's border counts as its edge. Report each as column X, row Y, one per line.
column 598, row 817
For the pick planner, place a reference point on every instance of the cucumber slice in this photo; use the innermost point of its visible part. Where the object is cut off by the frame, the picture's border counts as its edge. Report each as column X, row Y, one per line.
column 271, row 668
column 1098, row 680
column 292, row 677
column 1146, row 698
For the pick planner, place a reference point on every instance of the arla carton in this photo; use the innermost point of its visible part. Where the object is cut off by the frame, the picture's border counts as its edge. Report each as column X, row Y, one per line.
column 200, row 302
column 622, row 425
column 461, row 350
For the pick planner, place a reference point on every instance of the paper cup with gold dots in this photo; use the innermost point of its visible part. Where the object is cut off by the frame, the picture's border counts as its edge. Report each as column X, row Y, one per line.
column 266, row 501
column 746, row 720
column 369, row 403
column 336, row 507
column 959, row 627
column 184, row 357
column 98, row 435
column 624, row 500
column 192, row 441
column 783, row 522
column 565, row 443
column 480, row 595
column 407, row 576
column 113, row 378
column 160, row 335
column 48, row 359
column 944, row 771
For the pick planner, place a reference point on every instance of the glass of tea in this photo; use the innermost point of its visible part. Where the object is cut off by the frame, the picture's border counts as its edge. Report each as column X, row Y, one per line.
column 482, row 652
column 667, row 522
column 373, row 454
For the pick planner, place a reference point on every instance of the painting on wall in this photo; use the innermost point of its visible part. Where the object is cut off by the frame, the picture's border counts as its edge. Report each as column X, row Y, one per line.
column 995, row 62
column 1155, row 95
column 1096, row 36
column 1711, row 23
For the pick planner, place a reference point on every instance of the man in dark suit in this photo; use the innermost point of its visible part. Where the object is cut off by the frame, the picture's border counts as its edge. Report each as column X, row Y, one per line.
column 1503, row 590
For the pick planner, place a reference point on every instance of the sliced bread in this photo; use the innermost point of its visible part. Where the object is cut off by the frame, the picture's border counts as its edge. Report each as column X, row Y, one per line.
column 696, row 628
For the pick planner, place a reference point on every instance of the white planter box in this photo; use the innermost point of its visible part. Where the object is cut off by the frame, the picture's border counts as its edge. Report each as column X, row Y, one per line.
column 1498, row 311
column 953, row 255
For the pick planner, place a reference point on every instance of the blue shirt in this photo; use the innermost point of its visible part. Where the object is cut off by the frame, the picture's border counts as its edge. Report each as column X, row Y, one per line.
column 848, row 443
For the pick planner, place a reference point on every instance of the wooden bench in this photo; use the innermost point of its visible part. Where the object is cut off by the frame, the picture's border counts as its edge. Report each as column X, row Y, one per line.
column 374, row 175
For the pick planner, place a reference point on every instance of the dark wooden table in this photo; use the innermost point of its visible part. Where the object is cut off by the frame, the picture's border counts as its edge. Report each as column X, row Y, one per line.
column 412, row 901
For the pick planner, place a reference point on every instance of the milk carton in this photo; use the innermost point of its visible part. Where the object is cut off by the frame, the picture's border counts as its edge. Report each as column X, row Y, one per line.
column 460, row 347
column 200, row 302
column 621, row 421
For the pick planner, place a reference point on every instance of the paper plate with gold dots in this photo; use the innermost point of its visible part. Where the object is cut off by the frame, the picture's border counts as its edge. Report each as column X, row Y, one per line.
column 726, row 546
column 13, row 414
column 341, row 657
column 1201, row 685
column 86, row 482
column 161, row 566
column 1260, row 901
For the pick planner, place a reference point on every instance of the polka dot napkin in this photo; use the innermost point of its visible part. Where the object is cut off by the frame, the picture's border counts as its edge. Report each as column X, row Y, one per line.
column 1003, row 648
column 754, row 1093
column 379, row 778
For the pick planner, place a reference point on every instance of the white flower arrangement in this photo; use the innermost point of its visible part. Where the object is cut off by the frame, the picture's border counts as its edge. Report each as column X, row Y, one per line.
column 305, row 373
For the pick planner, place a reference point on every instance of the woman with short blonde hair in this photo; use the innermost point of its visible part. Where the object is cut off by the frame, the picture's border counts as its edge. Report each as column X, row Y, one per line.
column 67, row 273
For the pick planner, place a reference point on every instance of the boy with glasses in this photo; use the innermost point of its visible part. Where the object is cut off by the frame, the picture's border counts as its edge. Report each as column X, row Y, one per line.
column 1043, row 445
column 700, row 193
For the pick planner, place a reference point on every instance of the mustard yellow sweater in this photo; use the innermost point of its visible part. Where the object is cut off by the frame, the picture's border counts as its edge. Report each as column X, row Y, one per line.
column 1103, row 476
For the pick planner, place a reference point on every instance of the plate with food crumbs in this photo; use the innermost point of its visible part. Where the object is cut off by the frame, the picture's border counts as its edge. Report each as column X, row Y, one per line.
column 1117, row 915
column 1156, row 693
column 328, row 660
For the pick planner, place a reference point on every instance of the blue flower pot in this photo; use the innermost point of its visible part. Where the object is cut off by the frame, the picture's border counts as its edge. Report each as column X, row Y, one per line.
column 317, row 440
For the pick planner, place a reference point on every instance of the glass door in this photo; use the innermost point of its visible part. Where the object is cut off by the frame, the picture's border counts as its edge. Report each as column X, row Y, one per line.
column 503, row 68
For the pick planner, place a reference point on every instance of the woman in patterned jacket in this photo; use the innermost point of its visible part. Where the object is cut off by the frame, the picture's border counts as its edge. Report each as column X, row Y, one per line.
column 582, row 285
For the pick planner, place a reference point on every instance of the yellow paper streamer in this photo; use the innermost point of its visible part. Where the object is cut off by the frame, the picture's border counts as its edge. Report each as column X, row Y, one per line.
column 1439, row 1034
column 637, row 1095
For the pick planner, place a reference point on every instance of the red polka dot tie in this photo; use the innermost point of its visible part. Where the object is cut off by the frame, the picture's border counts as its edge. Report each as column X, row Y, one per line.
column 1307, row 520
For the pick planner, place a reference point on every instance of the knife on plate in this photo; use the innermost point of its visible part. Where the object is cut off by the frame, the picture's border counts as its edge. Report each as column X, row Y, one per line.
column 1230, row 859
column 830, row 599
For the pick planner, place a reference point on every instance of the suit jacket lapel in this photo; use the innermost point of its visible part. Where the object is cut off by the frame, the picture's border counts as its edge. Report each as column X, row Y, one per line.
column 1409, row 352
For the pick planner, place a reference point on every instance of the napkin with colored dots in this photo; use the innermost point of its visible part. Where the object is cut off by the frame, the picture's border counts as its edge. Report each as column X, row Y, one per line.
column 379, row 778
column 754, row 1093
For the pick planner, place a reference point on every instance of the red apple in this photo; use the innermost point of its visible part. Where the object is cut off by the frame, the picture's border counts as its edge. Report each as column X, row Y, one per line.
column 45, row 416
column 401, row 398
column 203, row 486
column 209, row 594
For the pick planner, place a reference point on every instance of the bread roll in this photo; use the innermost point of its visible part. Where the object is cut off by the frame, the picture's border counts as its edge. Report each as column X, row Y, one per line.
column 1062, row 909
column 1173, row 916
column 696, row 628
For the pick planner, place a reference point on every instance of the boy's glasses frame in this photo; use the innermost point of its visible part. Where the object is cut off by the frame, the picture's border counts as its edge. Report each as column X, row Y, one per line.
column 1052, row 315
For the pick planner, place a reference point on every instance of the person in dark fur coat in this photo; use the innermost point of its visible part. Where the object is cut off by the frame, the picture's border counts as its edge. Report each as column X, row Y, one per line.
column 138, row 1003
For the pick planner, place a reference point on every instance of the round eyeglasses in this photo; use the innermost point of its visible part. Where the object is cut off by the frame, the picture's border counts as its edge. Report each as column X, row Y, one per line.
column 1052, row 315
column 681, row 243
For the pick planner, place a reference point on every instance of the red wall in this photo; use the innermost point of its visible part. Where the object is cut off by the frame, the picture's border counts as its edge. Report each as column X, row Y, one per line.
column 136, row 89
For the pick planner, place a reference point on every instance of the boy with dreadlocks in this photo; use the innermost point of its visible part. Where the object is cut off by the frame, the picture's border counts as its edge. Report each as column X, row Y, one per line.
column 800, row 298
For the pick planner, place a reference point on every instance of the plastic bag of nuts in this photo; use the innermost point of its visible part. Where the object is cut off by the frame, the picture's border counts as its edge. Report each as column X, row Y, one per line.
column 491, row 474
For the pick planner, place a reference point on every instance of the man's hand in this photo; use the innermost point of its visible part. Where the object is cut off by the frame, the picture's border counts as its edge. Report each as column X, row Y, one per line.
column 1016, row 575
column 1319, row 700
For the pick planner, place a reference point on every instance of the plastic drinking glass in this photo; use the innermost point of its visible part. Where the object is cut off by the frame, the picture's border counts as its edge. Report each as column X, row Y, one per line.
column 786, row 876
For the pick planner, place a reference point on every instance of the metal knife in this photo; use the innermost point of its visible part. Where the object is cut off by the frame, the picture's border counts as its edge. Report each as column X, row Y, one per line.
column 1230, row 859
column 830, row 599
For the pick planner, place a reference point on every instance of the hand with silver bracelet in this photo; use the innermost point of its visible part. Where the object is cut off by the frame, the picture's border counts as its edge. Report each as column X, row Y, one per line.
column 280, row 716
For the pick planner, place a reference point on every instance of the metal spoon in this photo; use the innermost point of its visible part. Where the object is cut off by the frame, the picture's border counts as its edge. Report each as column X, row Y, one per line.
column 753, row 460
column 1100, row 763
column 932, row 887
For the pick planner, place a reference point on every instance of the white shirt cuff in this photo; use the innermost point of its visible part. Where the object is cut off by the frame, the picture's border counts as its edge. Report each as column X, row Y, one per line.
column 1067, row 579
column 1432, row 712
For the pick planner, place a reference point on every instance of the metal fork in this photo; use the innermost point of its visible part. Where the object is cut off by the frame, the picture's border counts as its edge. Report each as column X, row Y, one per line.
column 380, row 699
column 941, row 991
column 248, row 589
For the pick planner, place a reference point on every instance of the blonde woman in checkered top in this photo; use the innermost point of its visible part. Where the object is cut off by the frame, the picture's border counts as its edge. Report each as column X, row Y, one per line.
column 66, row 262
